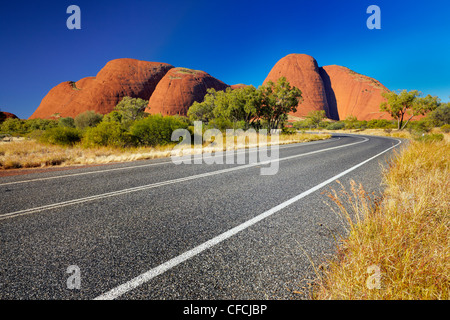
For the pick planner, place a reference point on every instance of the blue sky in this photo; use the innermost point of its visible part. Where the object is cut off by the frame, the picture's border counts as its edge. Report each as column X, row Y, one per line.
column 234, row 41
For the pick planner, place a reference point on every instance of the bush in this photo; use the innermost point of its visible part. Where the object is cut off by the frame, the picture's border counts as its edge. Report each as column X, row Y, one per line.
column 13, row 126
column 66, row 122
column 302, row 124
column 440, row 116
column 288, row 131
column 220, row 123
column 131, row 109
column 63, row 136
column 419, row 126
column 336, row 126
column 445, row 128
column 428, row 137
column 39, row 124
column 107, row 134
column 21, row 127
column 87, row 119
column 156, row 130
column 380, row 124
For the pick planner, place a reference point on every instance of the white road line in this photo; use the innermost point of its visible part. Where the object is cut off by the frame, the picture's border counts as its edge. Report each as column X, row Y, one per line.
column 158, row 184
column 152, row 273
column 149, row 165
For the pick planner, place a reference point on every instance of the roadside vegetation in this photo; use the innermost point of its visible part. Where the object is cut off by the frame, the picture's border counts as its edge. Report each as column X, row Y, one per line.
column 399, row 246
column 128, row 133
column 419, row 118
column 395, row 247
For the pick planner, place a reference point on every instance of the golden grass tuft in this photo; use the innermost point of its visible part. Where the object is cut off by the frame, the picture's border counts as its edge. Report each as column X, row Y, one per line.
column 406, row 235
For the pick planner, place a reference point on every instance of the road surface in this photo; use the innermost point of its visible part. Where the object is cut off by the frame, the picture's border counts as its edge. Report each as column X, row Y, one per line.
column 156, row 230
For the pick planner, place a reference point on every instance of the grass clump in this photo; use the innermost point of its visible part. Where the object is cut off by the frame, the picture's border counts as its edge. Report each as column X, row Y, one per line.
column 405, row 235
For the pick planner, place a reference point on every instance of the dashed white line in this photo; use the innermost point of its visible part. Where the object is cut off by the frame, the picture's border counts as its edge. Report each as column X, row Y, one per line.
column 152, row 273
column 163, row 183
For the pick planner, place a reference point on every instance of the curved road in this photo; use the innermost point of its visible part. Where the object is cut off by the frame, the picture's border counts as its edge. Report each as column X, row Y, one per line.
column 156, row 230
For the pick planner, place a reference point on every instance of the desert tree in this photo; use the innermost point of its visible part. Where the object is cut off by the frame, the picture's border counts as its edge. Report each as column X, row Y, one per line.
column 405, row 105
column 277, row 100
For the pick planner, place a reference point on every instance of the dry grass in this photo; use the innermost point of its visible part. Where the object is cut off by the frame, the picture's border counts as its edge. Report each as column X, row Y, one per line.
column 32, row 154
column 393, row 133
column 405, row 235
column 375, row 132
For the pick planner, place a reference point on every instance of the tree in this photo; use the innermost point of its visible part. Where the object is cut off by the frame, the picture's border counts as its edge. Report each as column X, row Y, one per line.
column 277, row 100
column 107, row 134
column 156, row 130
column 87, row 119
column 227, row 107
column 238, row 105
column 203, row 111
column 131, row 109
column 440, row 116
column 404, row 103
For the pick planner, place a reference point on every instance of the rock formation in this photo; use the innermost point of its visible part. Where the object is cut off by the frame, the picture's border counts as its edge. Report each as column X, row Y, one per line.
column 352, row 94
column 302, row 71
column 119, row 78
column 337, row 90
column 238, row 86
column 6, row 115
column 179, row 89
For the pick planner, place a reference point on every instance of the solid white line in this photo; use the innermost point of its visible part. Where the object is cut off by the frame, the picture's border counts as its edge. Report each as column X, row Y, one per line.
column 152, row 273
column 158, row 184
column 151, row 164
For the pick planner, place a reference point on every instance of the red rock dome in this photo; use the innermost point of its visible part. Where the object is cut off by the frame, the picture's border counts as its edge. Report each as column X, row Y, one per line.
column 351, row 93
column 302, row 71
column 7, row 115
column 179, row 89
column 119, row 78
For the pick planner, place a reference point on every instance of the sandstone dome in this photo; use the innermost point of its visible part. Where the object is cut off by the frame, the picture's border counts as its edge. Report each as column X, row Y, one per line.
column 117, row 79
column 302, row 71
column 352, row 94
column 179, row 89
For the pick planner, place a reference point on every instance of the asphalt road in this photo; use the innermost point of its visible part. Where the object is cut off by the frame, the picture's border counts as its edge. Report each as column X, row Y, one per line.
column 156, row 230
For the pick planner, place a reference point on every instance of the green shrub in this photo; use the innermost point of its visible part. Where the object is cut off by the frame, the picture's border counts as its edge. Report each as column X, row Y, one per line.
column 13, row 126
column 419, row 126
column 87, row 119
column 66, row 122
column 445, row 128
column 440, row 116
column 302, row 124
column 336, row 126
column 156, row 130
column 39, row 124
column 107, row 134
column 289, row 131
column 220, row 123
column 21, row 127
column 61, row 136
column 380, row 124
column 428, row 137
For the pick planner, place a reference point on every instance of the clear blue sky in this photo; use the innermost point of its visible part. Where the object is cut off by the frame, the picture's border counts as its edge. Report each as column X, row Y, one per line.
column 234, row 41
